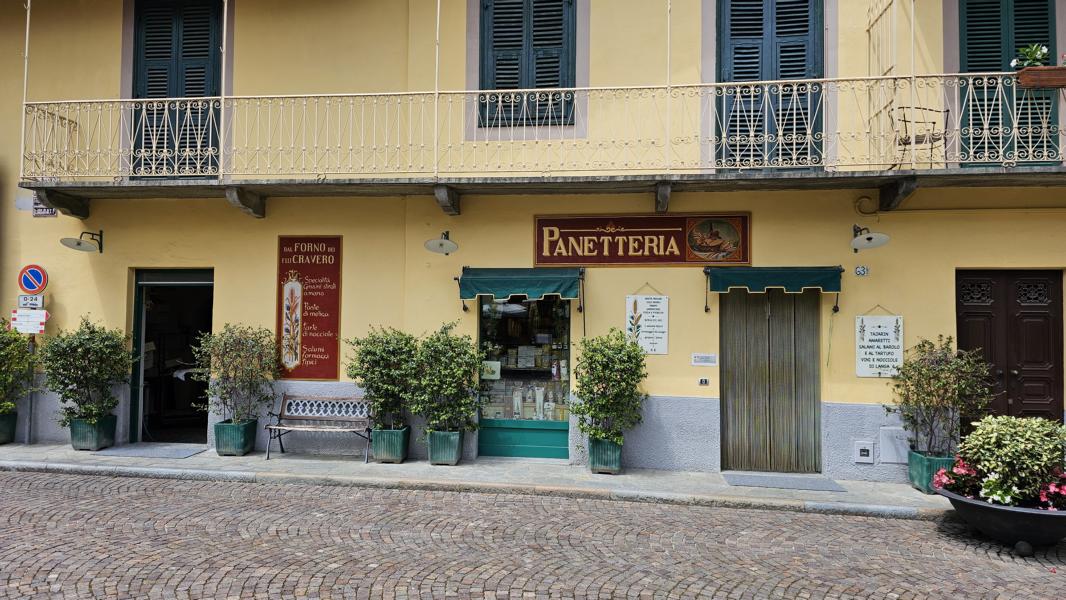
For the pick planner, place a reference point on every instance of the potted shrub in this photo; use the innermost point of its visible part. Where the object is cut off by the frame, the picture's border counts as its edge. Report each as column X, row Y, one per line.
column 239, row 365
column 82, row 367
column 935, row 388
column 1034, row 71
column 16, row 377
column 609, row 374
column 1008, row 481
column 384, row 365
column 446, row 391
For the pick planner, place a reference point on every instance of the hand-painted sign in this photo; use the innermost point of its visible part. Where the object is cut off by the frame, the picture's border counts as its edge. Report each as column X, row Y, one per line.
column 29, row 321
column 309, row 305
column 648, row 322
column 878, row 346
column 33, row 279
column 634, row 240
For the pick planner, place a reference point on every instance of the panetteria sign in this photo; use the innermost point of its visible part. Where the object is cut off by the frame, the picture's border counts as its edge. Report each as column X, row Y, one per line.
column 672, row 239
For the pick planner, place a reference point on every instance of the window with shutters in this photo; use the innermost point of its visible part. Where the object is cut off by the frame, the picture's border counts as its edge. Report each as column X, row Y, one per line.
column 527, row 45
column 770, row 124
column 176, row 77
column 1005, row 123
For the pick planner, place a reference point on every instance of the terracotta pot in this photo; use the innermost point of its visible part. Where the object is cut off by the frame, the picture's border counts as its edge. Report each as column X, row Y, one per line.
column 1042, row 77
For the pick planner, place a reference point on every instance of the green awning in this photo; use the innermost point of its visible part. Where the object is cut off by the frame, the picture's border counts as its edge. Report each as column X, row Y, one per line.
column 759, row 279
column 532, row 283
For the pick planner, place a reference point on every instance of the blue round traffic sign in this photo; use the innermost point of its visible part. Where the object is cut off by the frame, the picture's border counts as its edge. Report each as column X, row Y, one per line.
column 33, row 279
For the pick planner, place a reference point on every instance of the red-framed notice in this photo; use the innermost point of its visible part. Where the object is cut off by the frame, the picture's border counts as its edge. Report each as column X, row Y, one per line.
column 649, row 239
column 309, row 306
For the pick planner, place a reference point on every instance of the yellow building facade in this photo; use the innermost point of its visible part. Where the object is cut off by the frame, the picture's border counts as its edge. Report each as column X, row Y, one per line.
column 367, row 119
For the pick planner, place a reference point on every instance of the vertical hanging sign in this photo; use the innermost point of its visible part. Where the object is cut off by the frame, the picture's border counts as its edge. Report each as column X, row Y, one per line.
column 878, row 346
column 648, row 322
column 309, row 305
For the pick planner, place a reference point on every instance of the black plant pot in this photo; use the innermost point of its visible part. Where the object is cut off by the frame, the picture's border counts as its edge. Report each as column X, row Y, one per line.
column 1009, row 524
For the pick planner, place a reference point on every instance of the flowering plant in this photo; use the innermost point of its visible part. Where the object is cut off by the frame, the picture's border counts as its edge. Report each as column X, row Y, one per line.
column 1033, row 55
column 1011, row 462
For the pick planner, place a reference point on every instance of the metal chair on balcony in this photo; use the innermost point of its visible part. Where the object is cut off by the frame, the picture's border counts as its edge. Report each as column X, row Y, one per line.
column 919, row 132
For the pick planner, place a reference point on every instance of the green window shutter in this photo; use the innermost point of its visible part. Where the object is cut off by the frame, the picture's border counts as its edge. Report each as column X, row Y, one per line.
column 177, row 48
column 747, row 28
column 796, row 54
column 991, row 31
column 156, row 57
column 1034, row 24
column 200, row 47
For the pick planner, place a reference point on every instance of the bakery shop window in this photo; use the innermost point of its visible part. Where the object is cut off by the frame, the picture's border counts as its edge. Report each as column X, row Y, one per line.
column 527, row 358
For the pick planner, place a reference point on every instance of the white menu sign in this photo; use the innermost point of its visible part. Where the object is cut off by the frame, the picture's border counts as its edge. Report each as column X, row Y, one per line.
column 648, row 321
column 878, row 346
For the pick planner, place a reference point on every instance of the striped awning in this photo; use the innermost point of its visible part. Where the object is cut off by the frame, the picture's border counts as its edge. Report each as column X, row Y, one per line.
column 793, row 280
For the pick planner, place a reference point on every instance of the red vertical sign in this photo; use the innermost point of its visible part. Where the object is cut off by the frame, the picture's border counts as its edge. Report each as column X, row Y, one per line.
column 309, row 306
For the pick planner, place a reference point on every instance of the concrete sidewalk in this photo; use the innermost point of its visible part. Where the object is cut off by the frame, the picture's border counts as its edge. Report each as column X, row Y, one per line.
column 491, row 475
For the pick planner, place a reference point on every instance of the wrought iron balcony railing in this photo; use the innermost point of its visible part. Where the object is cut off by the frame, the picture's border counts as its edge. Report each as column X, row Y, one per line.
column 860, row 124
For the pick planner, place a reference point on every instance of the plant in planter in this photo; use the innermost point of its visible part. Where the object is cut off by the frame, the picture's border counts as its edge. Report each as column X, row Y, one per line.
column 16, row 378
column 1008, row 480
column 82, row 367
column 935, row 388
column 609, row 373
column 385, row 365
column 446, row 391
column 1034, row 71
column 239, row 365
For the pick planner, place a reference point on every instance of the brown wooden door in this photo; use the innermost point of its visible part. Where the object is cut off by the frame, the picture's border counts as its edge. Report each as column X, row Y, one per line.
column 1015, row 319
column 771, row 417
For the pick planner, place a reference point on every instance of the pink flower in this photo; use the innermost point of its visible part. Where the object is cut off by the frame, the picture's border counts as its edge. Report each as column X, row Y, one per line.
column 941, row 479
column 961, row 468
column 1043, row 496
column 1054, row 489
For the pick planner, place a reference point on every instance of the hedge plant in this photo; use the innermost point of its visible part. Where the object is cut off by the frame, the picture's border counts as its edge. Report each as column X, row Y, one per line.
column 82, row 367
column 1011, row 461
column 239, row 365
column 610, row 371
column 936, row 387
column 384, row 364
column 16, row 367
column 446, row 391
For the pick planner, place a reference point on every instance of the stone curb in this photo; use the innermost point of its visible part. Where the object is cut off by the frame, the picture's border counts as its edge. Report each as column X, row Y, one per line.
column 803, row 506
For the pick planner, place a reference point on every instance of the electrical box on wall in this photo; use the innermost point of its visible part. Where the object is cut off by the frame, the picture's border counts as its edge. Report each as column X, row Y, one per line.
column 863, row 452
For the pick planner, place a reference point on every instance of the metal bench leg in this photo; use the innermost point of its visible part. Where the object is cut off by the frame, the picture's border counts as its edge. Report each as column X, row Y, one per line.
column 270, row 441
column 366, row 452
column 281, row 443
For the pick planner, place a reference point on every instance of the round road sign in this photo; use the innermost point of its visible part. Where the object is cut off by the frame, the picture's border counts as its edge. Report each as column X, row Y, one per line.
column 33, row 279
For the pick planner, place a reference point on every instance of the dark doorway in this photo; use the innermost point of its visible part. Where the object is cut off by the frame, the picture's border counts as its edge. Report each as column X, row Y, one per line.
column 1015, row 319
column 172, row 310
column 770, row 404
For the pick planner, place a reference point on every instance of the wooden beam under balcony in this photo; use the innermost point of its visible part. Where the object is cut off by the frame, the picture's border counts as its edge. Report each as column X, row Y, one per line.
column 76, row 194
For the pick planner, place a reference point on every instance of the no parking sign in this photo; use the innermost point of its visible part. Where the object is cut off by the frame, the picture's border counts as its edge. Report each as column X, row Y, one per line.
column 33, row 279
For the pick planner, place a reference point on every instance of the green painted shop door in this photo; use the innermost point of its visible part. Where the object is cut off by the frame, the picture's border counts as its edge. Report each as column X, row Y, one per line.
column 770, row 404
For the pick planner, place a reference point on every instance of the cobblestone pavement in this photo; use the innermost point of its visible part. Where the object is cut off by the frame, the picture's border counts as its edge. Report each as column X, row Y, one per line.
column 101, row 537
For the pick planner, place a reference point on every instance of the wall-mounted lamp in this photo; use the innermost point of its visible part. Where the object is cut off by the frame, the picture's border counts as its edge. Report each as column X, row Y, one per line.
column 442, row 245
column 86, row 242
column 864, row 239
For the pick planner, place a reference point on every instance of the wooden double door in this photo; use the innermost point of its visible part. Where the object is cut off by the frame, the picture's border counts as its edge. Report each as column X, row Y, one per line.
column 770, row 381
column 1015, row 319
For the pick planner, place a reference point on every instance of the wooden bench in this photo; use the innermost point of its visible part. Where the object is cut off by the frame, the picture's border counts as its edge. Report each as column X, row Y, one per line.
column 329, row 415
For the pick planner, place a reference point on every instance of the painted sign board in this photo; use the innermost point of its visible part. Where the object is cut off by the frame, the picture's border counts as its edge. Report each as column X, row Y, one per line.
column 309, row 306
column 40, row 209
column 878, row 345
column 700, row 359
column 648, row 321
column 25, row 320
column 31, row 301
column 642, row 239
column 33, row 279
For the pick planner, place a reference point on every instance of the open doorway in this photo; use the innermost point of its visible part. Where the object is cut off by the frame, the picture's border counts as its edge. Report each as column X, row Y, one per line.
column 172, row 309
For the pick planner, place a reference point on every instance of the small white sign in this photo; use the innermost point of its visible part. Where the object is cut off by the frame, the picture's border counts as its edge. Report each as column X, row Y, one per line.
column 40, row 210
column 31, row 301
column 878, row 346
column 648, row 321
column 24, row 315
column 31, row 327
column 704, row 360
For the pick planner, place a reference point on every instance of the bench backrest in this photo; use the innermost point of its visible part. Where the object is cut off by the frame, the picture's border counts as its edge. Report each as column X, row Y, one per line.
column 313, row 408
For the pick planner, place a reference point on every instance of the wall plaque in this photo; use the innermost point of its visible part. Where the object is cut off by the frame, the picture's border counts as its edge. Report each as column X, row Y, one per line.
column 878, row 346
column 633, row 240
column 309, row 306
column 648, row 322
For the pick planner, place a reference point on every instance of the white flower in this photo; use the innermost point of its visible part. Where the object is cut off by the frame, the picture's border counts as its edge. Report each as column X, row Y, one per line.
column 1043, row 50
column 1014, row 64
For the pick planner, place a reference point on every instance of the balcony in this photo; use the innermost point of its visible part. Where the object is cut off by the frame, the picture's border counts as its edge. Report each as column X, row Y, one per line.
column 824, row 133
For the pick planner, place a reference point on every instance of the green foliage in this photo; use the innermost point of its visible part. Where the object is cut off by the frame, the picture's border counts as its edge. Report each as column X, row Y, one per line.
column 609, row 373
column 1014, row 457
column 82, row 366
column 1033, row 55
column 446, row 390
column 936, row 387
column 239, row 365
column 16, row 367
column 385, row 365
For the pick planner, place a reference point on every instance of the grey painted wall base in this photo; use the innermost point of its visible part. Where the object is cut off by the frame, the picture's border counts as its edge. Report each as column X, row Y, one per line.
column 845, row 424
column 44, row 407
column 678, row 434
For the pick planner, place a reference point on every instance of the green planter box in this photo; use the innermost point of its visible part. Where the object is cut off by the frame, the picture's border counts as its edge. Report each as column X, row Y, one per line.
column 235, row 439
column 605, row 457
column 390, row 445
column 921, row 468
column 7, row 427
column 445, row 447
column 93, row 436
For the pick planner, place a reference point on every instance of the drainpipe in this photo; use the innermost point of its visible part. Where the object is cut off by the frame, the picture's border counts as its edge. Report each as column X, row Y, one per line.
column 25, row 84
